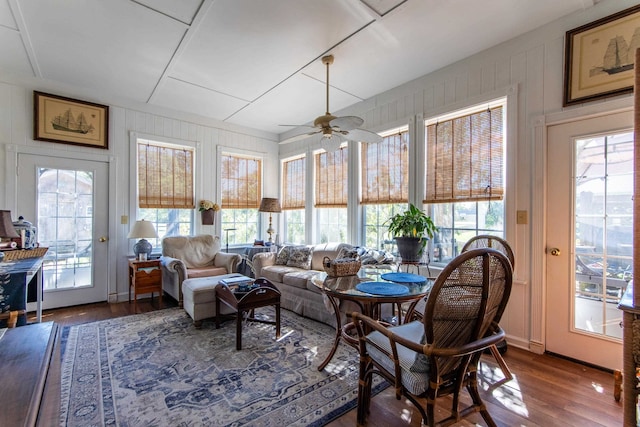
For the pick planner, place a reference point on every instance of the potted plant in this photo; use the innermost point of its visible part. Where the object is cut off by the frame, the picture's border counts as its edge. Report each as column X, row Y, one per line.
column 411, row 229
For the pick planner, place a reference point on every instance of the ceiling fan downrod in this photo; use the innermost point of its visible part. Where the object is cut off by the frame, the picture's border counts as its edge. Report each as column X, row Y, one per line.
column 327, row 60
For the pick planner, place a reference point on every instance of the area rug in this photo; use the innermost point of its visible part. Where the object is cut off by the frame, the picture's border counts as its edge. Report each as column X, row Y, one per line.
column 157, row 369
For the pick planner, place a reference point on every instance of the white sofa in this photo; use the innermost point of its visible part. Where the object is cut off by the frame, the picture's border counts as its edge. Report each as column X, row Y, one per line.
column 186, row 257
column 298, row 293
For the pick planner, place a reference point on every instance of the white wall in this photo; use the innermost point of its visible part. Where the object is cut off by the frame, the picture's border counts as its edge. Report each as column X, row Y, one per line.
column 531, row 69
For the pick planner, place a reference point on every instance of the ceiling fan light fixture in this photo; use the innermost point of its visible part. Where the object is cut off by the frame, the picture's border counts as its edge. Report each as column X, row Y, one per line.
column 331, row 142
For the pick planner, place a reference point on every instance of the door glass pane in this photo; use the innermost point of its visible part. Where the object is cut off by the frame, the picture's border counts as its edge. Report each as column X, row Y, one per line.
column 603, row 231
column 65, row 226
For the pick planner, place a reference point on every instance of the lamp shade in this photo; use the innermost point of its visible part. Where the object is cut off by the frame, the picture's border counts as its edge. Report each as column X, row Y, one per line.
column 268, row 204
column 6, row 225
column 143, row 230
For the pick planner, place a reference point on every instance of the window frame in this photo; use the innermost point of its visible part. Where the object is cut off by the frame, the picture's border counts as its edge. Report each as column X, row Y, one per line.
column 260, row 227
column 509, row 102
column 393, row 205
column 134, row 209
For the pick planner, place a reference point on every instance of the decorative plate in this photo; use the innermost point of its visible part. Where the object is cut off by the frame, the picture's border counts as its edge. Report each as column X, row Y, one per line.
column 382, row 288
column 403, row 277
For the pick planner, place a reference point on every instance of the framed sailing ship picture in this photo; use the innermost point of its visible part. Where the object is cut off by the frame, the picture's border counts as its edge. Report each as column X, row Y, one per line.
column 599, row 57
column 70, row 121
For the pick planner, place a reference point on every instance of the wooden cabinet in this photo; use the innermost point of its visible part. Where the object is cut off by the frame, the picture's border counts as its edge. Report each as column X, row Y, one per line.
column 145, row 277
column 25, row 355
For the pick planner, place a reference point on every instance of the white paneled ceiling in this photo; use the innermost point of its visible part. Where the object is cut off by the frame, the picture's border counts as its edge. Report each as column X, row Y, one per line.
column 254, row 63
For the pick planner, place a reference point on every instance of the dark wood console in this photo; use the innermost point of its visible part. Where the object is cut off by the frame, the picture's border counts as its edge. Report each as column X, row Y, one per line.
column 25, row 356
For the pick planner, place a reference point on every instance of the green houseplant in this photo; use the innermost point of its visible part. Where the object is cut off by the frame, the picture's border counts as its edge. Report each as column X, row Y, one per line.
column 411, row 229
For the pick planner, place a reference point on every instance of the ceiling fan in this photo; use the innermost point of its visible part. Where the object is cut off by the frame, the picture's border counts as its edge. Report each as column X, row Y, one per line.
column 332, row 130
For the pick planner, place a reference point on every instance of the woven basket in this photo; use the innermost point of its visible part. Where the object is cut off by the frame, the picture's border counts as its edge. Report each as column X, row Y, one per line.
column 24, row 253
column 341, row 267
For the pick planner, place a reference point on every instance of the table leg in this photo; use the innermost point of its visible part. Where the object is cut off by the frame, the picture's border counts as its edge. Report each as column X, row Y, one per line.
column 217, row 313
column 239, row 330
column 336, row 340
column 277, row 321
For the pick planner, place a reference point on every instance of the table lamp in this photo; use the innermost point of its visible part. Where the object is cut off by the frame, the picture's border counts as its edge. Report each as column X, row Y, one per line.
column 142, row 230
column 6, row 231
column 268, row 204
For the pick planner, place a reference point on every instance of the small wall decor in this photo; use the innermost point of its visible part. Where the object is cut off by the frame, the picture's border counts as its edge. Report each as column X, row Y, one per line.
column 208, row 211
column 599, row 57
column 70, row 121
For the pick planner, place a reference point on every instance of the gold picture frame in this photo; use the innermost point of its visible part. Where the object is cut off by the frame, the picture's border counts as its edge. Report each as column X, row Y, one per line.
column 599, row 57
column 70, row 121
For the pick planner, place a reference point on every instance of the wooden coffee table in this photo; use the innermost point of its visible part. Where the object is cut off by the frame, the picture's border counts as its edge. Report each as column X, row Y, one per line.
column 264, row 295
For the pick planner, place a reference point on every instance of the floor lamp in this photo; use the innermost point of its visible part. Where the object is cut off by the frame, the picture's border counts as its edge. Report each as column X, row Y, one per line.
column 227, row 230
column 270, row 205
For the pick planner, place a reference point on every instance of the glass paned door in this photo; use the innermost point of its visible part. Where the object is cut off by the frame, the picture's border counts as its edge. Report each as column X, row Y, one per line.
column 603, row 230
column 67, row 200
column 65, row 218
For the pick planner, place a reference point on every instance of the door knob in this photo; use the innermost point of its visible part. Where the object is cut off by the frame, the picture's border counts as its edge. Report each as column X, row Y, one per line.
column 103, row 239
column 554, row 251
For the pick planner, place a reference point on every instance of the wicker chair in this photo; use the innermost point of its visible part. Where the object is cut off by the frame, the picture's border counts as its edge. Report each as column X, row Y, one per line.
column 440, row 355
column 493, row 242
column 497, row 243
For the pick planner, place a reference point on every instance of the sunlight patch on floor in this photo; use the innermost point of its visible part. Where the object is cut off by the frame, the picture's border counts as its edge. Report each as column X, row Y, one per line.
column 509, row 394
column 598, row 387
column 285, row 335
column 406, row 415
column 336, row 368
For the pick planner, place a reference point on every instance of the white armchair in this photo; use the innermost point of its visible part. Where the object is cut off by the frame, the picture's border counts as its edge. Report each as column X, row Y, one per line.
column 186, row 257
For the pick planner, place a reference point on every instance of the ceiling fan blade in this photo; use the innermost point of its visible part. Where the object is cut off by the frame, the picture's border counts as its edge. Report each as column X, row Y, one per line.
column 363, row 136
column 300, row 136
column 347, row 122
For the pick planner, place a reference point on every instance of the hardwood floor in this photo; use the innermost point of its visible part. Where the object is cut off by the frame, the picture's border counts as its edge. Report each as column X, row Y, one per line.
column 546, row 391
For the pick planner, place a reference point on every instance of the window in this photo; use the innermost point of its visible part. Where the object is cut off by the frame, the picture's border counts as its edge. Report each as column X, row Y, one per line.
column 241, row 188
column 331, row 193
column 384, row 186
column 465, row 177
column 165, row 187
column 293, row 199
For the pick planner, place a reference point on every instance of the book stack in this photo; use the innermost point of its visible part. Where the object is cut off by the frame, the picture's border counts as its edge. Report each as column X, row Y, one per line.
column 242, row 282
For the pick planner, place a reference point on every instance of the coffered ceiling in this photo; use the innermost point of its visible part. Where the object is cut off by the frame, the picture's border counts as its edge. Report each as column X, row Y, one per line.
column 254, row 63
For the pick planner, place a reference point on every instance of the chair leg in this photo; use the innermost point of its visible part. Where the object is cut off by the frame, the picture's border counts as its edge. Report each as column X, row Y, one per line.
column 478, row 404
column 431, row 411
column 617, row 384
column 508, row 376
column 364, row 393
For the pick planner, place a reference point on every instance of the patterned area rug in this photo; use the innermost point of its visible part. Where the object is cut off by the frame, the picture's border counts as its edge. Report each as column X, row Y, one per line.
column 157, row 369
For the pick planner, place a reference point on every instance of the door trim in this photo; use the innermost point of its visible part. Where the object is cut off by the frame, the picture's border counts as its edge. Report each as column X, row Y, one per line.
column 11, row 197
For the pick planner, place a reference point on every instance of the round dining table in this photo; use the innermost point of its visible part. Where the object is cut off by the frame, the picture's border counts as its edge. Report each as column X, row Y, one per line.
column 369, row 292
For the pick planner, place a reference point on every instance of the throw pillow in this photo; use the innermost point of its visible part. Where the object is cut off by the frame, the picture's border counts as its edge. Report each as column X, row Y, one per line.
column 347, row 253
column 421, row 364
column 283, row 256
column 300, row 257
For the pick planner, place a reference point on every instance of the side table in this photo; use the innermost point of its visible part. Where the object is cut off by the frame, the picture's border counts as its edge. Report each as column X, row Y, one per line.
column 145, row 277
column 264, row 295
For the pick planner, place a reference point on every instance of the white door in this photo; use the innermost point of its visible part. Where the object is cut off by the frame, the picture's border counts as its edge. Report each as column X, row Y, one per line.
column 589, row 236
column 67, row 201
